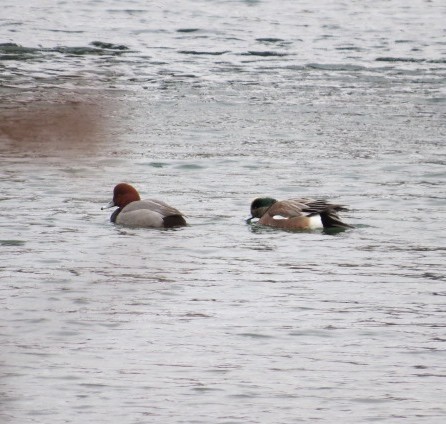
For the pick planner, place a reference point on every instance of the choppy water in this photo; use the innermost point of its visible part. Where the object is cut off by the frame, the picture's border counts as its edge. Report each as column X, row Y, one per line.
column 208, row 104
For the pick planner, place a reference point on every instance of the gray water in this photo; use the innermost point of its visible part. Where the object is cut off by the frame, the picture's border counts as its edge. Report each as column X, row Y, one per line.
column 207, row 105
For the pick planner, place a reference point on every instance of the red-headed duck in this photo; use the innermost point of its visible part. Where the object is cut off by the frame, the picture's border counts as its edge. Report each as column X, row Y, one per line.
column 134, row 212
column 297, row 214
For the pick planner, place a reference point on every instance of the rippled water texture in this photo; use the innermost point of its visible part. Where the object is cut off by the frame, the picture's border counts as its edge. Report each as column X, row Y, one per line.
column 206, row 105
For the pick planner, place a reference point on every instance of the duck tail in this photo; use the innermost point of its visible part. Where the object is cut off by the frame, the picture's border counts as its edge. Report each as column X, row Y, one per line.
column 174, row 221
column 330, row 219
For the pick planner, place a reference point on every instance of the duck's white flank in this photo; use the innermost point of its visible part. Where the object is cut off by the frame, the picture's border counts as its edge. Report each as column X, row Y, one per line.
column 315, row 222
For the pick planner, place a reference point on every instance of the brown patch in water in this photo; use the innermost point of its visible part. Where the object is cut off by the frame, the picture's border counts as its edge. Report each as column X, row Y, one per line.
column 53, row 128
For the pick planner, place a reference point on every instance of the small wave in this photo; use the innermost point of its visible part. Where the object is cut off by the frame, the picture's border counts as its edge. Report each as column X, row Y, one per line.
column 12, row 51
column 187, row 30
column 158, row 164
column 65, row 31
column 15, row 48
column 76, row 51
column 109, row 46
column 408, row 60
column 12, row 242
column 270, row 40
column 335, row 67
column 264, row 53
column 203, row 53
column 99, row 48
column 399, row 59
column 349, row 48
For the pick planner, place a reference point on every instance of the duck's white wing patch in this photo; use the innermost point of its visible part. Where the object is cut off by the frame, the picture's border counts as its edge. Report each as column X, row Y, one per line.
column 279, row 217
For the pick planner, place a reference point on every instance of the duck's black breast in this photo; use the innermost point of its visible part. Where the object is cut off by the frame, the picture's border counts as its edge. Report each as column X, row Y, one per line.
column 115, row 214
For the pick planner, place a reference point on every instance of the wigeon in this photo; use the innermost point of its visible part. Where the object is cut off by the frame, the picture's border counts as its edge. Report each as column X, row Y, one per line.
column 297, row 214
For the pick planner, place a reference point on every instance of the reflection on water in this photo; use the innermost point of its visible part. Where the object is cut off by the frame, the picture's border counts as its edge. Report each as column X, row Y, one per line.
column 206, row 109
column 56, row 128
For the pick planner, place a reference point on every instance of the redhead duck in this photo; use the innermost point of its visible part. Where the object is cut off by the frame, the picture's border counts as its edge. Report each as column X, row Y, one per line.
column 297, row 214
column 134, row 212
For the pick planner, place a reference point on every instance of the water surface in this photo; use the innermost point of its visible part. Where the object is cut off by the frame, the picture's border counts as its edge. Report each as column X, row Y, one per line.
column 207, row 105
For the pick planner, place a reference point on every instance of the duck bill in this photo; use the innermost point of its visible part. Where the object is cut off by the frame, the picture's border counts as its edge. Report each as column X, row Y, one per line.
column 108, row 205
column 248, row 220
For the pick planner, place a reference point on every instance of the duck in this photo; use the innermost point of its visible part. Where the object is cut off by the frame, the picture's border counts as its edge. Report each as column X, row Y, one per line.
column 297, row 214
column 134, row 212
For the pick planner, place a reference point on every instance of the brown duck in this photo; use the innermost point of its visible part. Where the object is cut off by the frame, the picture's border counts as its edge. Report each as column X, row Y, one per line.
column 297, row 214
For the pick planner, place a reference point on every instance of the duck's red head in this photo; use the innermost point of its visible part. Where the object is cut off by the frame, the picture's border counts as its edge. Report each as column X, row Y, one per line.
column 123, row 194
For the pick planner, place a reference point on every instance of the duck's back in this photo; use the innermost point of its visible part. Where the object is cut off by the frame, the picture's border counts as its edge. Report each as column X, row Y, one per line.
column 303, row 213
column 290, row 208
column 150, row 213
